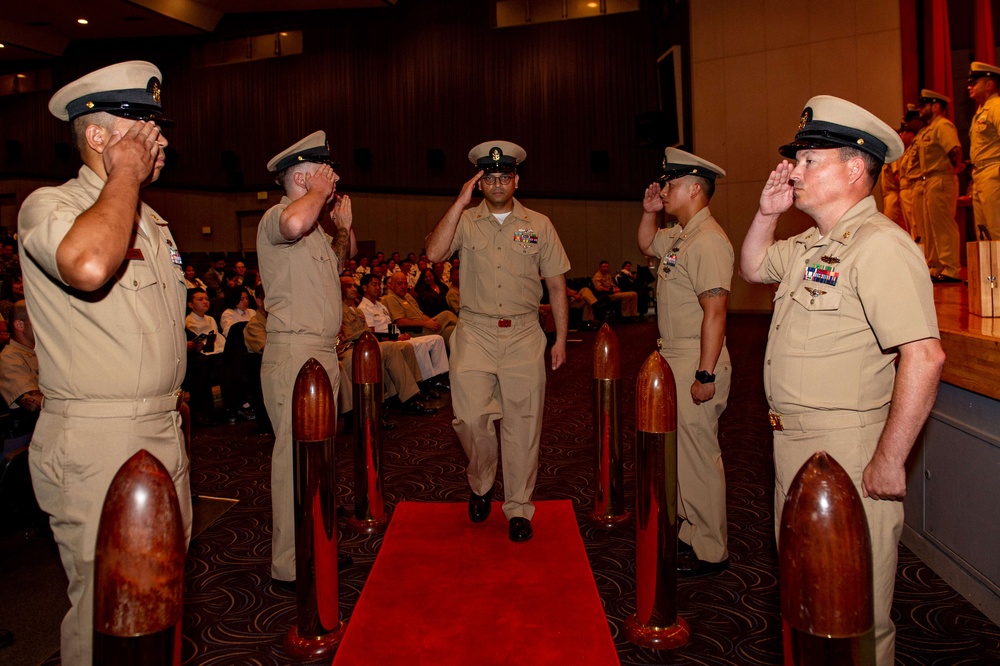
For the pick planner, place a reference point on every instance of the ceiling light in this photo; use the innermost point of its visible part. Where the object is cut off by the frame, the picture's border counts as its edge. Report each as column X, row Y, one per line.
column 82, row 21
column 592, row 5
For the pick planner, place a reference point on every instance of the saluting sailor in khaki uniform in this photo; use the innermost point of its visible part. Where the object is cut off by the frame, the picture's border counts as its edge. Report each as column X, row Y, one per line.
column 940, row 155
column 300, row 269
column 853, row 296
column 498, row 349
column 984, row 146
column 106, row 296
column 692, row 293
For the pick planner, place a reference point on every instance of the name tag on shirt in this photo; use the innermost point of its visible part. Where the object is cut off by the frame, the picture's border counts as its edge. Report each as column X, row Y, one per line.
column 134, row 254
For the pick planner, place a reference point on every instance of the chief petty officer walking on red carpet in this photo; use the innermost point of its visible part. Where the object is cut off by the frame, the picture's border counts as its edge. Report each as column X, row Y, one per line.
column 498, row 349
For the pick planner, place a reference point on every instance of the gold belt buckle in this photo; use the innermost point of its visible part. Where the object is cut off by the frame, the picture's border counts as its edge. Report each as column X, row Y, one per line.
column 775, row 420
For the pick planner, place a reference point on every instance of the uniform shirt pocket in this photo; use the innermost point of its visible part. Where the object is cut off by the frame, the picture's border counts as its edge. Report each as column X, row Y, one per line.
column 818, row 317
column 523, row 258
column 143, row 312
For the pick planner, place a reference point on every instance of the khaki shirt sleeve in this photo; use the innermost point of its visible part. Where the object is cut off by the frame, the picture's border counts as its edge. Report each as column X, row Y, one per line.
column 896, row 291
column 456, row 241
column 553, row 260
column 777, row 261
column 712, row 266
column 660, row 244
column 43, row 223
column 948, row 137
column 270, row 225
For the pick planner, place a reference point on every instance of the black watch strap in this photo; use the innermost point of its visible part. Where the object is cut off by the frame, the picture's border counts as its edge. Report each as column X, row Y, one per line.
column 705, row 377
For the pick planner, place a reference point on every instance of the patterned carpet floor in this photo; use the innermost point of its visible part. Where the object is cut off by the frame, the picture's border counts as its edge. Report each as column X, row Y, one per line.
column 233, row 615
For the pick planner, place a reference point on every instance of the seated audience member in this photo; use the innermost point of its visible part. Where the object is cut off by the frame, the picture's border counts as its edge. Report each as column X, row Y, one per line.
column 192, row 280
column 237, row 309
column 19, row 371
column 605, row 289
column 583, row 300
column 251, row 281
column 406, row 313
column 205, row 346
column 214, row 277
column 432, row 295
column 239, row 272
column 627, row 280
column 400, row 372
column 431, row 352
column 4, row 334
column 11, row 291
column 255, row 333
column 454, row 297
column 255, row 338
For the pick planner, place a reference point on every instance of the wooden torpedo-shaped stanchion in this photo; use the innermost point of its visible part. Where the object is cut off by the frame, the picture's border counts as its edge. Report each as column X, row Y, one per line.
column 369, row 508
column 609, row 485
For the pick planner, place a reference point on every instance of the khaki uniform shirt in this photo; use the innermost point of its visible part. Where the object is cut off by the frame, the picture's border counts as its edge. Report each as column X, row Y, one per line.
column 255, row 333
column 354, row 324
column 301, row 279
column 18, row 371
column 501, row 263
column 693, row 260
column 909, row 166
column 124, row 341
column 984, row 133
column 933, row 143
column 402, row 307
column 603, row 283
column 843, row 303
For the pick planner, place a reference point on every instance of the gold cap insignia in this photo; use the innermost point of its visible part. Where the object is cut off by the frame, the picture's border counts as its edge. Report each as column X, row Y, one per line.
column 807, row 115
column 156, row 92
column 90, row 105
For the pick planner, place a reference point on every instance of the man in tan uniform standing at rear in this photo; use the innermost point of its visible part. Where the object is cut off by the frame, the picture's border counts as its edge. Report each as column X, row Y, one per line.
column 692, row 295
column 300, row 268
column 498, row 348
column 853, row 296
column 984, row 146
column 940, row 155
column 106, row 295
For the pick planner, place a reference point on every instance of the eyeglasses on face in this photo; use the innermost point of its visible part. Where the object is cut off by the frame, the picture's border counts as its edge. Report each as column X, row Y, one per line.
column 504, row 178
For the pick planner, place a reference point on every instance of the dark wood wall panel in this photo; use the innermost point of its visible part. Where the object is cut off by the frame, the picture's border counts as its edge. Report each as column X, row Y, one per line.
column 396, row 82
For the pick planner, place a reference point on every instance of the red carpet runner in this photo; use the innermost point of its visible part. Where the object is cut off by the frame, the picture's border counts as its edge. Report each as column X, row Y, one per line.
column 446, row 591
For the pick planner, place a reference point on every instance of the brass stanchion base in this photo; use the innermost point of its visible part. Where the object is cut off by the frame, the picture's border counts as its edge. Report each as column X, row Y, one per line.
column 305, row 648
column 608, row 522
column 367, row 525
column 657, row 638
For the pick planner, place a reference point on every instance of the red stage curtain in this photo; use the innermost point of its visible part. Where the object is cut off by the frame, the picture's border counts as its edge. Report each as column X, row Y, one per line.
column 937, row 56
column 985, row 50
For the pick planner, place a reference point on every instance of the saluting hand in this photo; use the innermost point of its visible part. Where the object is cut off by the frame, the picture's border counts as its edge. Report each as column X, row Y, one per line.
column 133, row 153
column 465, row 196
column 341, row 214
column 321, row 181
column 778, row 195
column 651, row 202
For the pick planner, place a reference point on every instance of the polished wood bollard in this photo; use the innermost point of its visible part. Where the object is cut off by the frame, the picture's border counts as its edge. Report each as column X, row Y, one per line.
column 825, row 555
column 609, row 483
column 369, row 508
column 314, row 425
column 655, row 623
column 139, row 568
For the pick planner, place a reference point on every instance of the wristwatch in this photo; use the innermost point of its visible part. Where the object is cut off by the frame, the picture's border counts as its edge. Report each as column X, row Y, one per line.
column 704, row 377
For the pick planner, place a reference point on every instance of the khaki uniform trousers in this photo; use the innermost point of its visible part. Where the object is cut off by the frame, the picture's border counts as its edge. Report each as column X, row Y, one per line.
column 448, row 322
column 629, row 301
column 986, row 198
column 941, row 245
column 852, row 446
column 910, row 199
column 701, row 478
column 400, row 373
column 284, row 356
column 499, row 373
column 585, row 300
column 73, row 458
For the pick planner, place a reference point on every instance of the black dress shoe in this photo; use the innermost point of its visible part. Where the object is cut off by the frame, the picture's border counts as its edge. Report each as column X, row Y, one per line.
column 427, row 394
column 689, row 566
column 944, row 279
column 414, row 408
column 441, row 383
column 479, row 506
column 519, row 529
